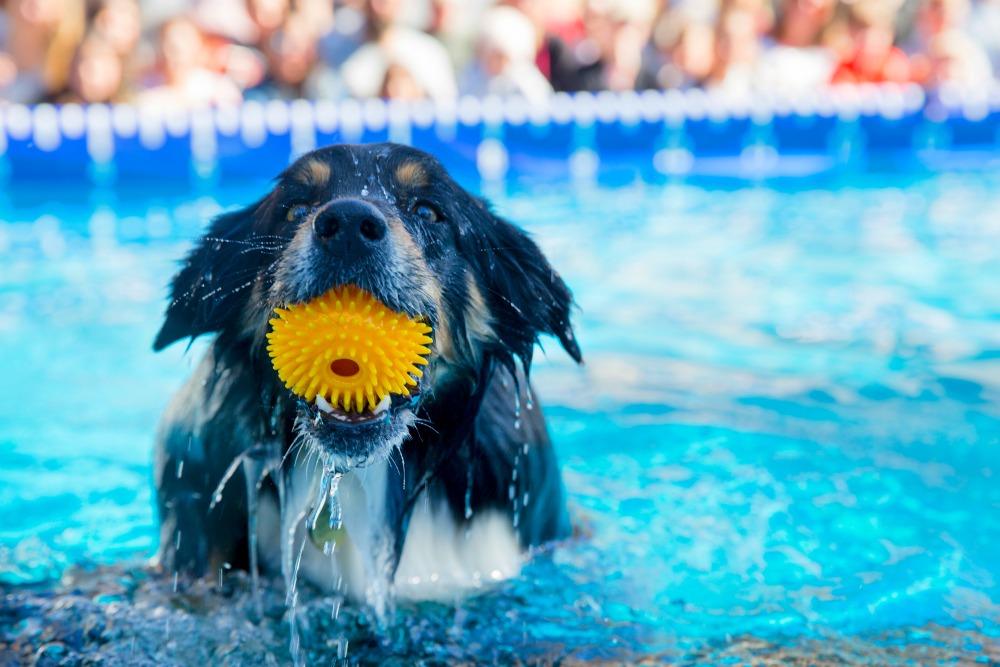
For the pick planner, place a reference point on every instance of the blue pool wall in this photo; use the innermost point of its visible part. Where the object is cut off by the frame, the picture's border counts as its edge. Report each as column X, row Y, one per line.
column 650, row 134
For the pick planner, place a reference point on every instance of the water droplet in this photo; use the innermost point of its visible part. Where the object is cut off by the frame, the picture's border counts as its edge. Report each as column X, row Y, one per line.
column 468, row 491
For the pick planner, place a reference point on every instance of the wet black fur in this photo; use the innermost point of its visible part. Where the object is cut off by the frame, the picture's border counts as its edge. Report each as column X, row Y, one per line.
column 234, row 402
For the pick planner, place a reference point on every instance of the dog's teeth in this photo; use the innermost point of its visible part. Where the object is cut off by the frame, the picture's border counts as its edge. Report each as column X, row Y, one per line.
column 323, row 405
column 382, row 406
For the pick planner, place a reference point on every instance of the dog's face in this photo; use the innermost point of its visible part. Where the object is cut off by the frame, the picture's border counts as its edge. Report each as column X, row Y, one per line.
column 390, row 220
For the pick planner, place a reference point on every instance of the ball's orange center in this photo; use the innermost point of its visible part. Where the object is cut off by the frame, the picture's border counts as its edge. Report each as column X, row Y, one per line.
column 345, row 368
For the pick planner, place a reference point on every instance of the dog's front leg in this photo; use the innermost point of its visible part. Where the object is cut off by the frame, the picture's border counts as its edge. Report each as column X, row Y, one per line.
column 202, row 504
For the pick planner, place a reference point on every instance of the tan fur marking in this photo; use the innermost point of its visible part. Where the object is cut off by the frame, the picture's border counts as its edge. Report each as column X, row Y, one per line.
column 413, row 257
column 314, row 173
column 412, row 175
column 478, row 318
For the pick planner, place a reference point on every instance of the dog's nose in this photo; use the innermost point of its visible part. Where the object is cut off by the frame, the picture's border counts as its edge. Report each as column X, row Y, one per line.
column 350, row 226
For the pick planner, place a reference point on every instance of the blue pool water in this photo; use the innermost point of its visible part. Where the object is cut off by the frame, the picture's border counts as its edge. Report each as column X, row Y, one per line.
column 788, row 422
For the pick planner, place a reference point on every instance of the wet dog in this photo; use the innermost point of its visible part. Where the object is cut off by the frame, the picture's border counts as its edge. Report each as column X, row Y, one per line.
column 440, row 490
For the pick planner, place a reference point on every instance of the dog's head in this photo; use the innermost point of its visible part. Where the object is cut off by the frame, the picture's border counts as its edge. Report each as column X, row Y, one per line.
column 388, row 219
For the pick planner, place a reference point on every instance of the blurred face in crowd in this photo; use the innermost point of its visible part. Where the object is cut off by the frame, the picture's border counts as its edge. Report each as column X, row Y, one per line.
column 872, row 39
column 443, row 16
column 181, row 46
column 936, row 16
column 383, row 13
column 291, row 51
column 267, row 15
column 494, row 60
column 619, row 32
column 694, row 52
column 96, row 75
column 802, row 21
column 37, row 13
column 399, row 84
column 736, row 38
column 120, row 23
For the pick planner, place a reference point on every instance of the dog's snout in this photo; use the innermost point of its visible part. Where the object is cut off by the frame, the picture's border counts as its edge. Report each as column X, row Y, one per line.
column 350, row 225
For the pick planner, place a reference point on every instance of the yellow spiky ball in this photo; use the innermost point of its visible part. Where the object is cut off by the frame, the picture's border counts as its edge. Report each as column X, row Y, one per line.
column 347, row 347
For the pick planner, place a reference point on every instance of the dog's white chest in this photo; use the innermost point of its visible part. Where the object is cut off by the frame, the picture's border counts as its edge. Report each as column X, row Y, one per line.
column 440, row 558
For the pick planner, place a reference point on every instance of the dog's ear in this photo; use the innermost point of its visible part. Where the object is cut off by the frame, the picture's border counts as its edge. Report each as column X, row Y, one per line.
column 525, row 295
column 206, row 292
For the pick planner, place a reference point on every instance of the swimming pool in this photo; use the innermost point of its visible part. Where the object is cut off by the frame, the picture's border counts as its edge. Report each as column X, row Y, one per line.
column 784, row 438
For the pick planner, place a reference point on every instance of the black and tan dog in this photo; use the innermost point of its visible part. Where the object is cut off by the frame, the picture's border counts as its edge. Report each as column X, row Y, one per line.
column 444, row 489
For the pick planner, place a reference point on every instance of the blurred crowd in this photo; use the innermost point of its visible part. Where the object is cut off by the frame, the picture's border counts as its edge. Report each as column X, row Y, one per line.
column 211, row 52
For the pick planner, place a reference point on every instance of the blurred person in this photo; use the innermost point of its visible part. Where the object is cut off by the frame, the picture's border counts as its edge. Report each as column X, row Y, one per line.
column 762, row 12
column 984, row 28
column 616, row 54
column 399, row 83
column 42, row 37
column 293, row 66
column 941, row 50
column 687, row 44
column 97, row 74
column 505, row 58
column 181, row 77
column 555, row 32
column 120, row 23
column 357, row 24
column 868, row 55
column 267, row 17
column 797, row 58
column 449, row 26
column 801, row 23
column 953, row 58
column 936, row 17
column 737, row 48
column 364, row 72
column 319, row 12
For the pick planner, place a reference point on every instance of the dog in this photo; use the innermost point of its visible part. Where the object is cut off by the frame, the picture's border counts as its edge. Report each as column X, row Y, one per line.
column 444, row 490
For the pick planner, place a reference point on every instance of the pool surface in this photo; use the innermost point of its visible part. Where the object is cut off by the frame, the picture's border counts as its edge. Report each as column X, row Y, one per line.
column 787, row 429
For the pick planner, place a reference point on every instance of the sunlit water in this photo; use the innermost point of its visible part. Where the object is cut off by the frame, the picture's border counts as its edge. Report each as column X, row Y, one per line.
column 788, row 421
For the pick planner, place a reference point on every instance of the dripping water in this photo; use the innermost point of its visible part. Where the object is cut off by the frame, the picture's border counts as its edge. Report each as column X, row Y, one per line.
column 512, row 491
column 291, row 603
column 257, row 464
column 517, row 406
column 326, row 498
column 468, row 491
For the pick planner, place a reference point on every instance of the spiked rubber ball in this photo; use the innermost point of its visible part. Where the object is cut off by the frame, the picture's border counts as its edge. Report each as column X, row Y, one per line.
column 348, row 348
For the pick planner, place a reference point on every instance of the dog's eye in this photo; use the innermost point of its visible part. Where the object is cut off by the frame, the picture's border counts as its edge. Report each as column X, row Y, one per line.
column 424, row 210
column 296, row 212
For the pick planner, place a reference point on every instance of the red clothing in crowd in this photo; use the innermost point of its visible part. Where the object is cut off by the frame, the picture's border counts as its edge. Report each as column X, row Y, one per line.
column 893, row 67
